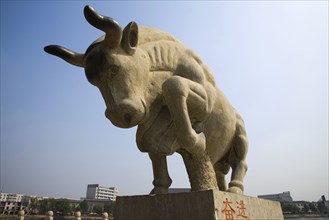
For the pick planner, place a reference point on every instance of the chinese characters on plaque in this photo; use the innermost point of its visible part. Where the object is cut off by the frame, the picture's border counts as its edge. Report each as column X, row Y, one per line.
column 233, row 211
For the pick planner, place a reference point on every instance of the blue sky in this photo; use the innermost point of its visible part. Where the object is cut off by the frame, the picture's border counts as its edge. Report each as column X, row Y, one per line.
column 270, row 58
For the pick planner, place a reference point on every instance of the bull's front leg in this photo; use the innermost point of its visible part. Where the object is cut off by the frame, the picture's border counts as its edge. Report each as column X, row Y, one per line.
column 161, row 176
column 187, row 101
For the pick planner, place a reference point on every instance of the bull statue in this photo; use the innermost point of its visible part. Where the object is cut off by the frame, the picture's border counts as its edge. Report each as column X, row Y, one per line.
column 151, row 80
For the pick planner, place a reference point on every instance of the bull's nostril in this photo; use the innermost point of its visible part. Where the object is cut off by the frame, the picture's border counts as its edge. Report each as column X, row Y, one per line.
column 127, row 118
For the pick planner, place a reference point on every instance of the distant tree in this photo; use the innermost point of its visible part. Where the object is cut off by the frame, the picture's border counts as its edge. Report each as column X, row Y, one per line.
column 289, row 207
column 45, row 205
column 286, row 207
column 306, row 208
column 312, row 207
column 295, row 209
column 63, row 206
column 76, row 208
column 109, row 207
column 322, row 208
column 51, row 205
column 34, row 205
column 98, row 209
column 83, row 206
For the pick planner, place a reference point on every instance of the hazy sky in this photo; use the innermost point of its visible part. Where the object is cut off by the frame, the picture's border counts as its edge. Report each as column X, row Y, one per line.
column 270, row 58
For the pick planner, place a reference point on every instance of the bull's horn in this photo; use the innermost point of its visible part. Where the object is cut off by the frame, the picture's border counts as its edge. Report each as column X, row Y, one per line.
column 66, row 54
column 108, row 25
column 130, row 38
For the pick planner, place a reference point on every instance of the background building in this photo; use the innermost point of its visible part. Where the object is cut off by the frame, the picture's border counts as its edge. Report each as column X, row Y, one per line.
column 280, row 197
column 11, row 203
column 95, row 191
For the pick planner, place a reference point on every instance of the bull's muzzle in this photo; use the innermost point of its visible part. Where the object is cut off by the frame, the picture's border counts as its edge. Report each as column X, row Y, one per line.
column 126, row 114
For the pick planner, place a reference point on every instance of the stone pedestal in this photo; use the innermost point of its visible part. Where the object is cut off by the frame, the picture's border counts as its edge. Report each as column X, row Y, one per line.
column 210, row 205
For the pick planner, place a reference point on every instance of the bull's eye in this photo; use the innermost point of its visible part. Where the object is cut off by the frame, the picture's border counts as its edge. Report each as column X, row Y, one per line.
column 114, row 69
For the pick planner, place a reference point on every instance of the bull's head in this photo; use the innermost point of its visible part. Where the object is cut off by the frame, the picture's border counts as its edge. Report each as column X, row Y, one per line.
column 116, row 66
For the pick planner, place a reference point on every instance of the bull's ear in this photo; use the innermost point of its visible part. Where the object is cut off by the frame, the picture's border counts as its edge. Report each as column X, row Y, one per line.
column 130, row 38
column 69, row 56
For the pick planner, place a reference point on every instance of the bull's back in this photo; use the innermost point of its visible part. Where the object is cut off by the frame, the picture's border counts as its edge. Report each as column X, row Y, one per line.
column 165, row 52
column 148, row 35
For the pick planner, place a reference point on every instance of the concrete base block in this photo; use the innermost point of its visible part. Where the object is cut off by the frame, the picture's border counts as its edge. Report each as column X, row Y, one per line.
column 209, row 204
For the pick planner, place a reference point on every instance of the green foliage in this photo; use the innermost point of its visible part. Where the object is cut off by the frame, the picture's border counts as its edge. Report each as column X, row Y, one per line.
column 292, row 208
column 63, row 206
column 34, row 205
column 313, row 208
column 83, row 207
column 98, row 209
column 322, row 208
column 306, row 208
column 289, row 207
column 109, row 207
column 45, row 205
column 51, row 205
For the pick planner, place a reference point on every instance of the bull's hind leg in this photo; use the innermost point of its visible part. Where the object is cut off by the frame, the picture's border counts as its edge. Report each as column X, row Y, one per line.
column 221, row 169
column 161, row 176
column 187, row 101
column 238, row 158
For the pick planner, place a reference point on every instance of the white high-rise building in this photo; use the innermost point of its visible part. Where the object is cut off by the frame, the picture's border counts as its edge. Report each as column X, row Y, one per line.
column 95, row 191
column 11, row 203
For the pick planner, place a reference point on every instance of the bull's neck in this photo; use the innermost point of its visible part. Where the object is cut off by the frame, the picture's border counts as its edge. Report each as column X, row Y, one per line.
column 153, row 95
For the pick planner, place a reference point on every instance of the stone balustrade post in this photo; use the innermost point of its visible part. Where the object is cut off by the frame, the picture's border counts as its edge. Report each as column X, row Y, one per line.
column 50, row 215
column 78, row 215
column 105, row 216
column 21, row 214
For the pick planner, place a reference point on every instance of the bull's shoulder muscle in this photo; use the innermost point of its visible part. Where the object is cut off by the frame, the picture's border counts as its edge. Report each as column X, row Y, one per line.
column 165, row 50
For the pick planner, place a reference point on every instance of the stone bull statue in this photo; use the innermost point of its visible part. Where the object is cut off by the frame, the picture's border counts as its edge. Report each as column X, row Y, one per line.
column 150, row 79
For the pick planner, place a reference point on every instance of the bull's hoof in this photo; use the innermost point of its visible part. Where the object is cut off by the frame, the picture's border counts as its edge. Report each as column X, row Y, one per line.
column 235, row 190
column 159, row 190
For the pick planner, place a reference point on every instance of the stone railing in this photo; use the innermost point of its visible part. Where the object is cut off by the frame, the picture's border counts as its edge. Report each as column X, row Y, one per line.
column 50, row 215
